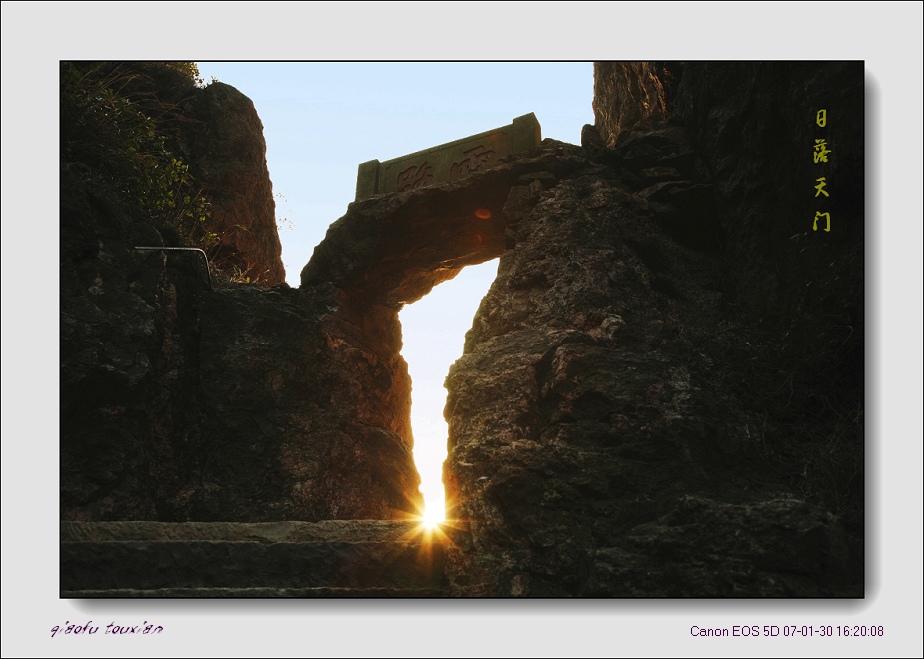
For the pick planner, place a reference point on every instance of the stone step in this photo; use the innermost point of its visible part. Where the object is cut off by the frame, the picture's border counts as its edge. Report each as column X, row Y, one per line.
column 338, row 558
column 344, row 530
column 257, row 592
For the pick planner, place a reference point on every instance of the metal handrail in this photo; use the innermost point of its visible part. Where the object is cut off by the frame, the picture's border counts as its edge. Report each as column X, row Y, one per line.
column 183, row 249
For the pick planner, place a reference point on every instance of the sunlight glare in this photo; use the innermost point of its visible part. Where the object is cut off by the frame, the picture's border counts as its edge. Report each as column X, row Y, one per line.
column 433, row 335
column 434, row 513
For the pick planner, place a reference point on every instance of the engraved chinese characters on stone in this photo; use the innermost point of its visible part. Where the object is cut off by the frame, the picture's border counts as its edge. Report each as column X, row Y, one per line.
column 449, row 161
column 474, row 158
column 414, row 177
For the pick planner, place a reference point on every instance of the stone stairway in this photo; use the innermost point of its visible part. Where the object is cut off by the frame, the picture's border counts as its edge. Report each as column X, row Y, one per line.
column 338, row 558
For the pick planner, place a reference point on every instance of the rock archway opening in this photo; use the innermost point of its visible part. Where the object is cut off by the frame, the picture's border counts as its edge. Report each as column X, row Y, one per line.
column 433, row 330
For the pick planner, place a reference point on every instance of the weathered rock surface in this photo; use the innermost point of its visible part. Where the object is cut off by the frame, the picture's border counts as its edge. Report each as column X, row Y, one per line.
column 228, row 159
column 617, row 425
column 215, row 132
column 393, row 249
column 704, row 548
column 305, row 408
column 627, row 94
column 661, row 395
column 182, row 401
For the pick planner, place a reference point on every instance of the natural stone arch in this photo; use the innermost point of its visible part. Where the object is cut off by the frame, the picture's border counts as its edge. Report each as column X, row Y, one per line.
column 394, row 249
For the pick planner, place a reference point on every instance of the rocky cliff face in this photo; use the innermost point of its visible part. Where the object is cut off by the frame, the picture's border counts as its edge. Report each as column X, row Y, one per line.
column 187, row 399
column 228, row 157
column 629, row 94
column 662, row 392
column 179, row 402
column 124, row 122
column 661, row 395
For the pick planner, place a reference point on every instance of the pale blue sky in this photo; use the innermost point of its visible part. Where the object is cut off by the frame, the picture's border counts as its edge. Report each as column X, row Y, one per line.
column 322, row 119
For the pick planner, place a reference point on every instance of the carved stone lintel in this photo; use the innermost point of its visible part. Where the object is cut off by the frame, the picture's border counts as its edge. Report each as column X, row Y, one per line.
column 447, row 161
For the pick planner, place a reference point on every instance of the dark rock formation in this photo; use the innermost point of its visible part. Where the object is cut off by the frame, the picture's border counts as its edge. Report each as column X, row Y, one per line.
column 661, row 395
column 393, row 249
column 214, row 131
column 628, row 418
column 180, row 401
column 184, row 403
column 627, row 94
column 228, row 159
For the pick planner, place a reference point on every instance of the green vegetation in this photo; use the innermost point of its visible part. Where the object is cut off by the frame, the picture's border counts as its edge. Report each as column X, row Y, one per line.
column 116, row 130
